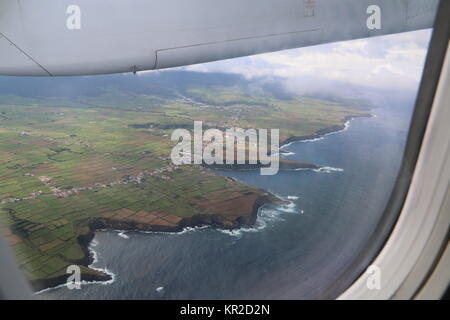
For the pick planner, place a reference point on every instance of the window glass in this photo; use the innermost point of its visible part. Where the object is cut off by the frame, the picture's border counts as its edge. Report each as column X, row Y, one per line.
column 95, row 178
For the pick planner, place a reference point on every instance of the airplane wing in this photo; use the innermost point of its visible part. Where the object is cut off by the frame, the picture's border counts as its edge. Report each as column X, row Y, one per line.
column 80, row 37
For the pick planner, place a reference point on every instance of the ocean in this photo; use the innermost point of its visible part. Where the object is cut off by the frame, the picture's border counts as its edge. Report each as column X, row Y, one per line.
column 293, row 252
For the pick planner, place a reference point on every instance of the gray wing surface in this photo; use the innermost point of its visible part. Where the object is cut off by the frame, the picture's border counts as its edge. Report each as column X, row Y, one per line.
column 82, row 37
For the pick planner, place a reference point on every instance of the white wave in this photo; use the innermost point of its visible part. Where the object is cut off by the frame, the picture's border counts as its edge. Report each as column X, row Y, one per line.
column 238, row 233
column 328, row 170
column 304, row 141
column 292, row 197
column 123, row 235
column 160, row 290
column 50, row 289
column 289, row 208
column 94, row 243
column 185, row 230
column 346, row 127
column 276, row 154
column 287, row 145
column 104, row 269
column 267, row 216
column 321, row 169
column 190, row 229
column 313, row 139
column 287, row 154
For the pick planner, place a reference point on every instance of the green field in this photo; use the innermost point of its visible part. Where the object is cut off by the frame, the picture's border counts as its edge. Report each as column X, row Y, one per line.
column 66, row 162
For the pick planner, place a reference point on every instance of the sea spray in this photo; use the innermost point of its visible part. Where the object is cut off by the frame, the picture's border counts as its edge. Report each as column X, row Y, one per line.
column 328, row 170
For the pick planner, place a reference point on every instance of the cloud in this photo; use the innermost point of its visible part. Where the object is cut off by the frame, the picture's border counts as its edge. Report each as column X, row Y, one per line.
column 394, row 62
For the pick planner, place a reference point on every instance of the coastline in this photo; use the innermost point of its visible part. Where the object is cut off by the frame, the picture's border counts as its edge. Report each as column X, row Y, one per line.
column 321, row 133
column 284, row 165
column 219, row 221
column 103, row 276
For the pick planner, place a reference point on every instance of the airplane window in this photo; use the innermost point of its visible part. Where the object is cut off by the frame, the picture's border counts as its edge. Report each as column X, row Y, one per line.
column 260, row 177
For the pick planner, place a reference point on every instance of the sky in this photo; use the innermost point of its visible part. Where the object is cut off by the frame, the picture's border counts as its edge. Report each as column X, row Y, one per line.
column 387, row 62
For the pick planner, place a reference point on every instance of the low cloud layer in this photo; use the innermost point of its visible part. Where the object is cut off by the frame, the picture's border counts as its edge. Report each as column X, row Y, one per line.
column 388, row 62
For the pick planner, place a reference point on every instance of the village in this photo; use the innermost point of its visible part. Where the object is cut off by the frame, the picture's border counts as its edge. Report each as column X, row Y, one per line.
column 161, row 173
